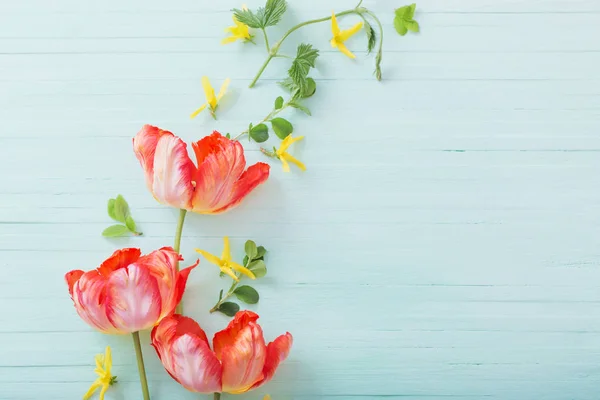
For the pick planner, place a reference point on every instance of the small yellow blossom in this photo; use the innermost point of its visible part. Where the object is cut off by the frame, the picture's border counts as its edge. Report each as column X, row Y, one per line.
column 267, row 397
column 212, row 101
column 225, row 263
column 239, row 31
column 105, row 379
column 284, row 156
column 339, row 36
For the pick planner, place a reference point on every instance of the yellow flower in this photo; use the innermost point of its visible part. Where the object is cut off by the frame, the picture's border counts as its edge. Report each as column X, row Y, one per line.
column 239, row 31
column 267, row 397
column 284, row 156
column 339, row 36
column 212, row 101
column 225, row 263
column 105, row 379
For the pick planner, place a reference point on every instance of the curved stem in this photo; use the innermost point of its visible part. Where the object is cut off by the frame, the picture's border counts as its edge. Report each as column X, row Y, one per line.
column 380, row 49
column 177, row 246
column 273, row 51
column 217, row 396
column 140, row 363
column 266, row 40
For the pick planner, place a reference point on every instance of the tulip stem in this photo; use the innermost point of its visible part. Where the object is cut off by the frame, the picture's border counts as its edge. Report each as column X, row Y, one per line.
column 217, row 396
column 273, row 51
column 140, row 363
column 177, row 246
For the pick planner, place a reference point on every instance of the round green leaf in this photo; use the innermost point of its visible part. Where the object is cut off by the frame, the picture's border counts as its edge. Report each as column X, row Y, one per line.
column 115, row 231
column 278, row 103
column 250, row 249
column 258, row 268
column 247, row 294
column 260, row 252
column 282, row 127
column 229, row 308
column 310, row 89
column 259, row 133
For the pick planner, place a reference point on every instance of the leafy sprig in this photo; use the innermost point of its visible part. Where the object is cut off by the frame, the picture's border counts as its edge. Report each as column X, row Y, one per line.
column 269, row 15
column 404, row 20
column 118, row 210
column 305, row 59
column 254, row 260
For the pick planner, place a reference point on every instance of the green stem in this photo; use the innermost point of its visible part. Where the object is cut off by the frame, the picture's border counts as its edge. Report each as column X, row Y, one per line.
column 177, row 246
column 227, row 295
column 273, row 51
column 140, row 363
column 217, row 396
column 266, row 39
column 380, row 49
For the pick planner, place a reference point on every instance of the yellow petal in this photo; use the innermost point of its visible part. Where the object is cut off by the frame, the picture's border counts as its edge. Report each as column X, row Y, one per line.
column 333, row 43
column 92, row 389
column 335, row 29
column 198, row 111
column 294, row 161
column 210, row 258
column 229, row 39
column 229, row 272
column 286, row 166
column 108, row 360
column 223, row 89
column 287, row 142
column 242, row 270
column 103, row 391
column 346, row 34
column 342, row 47
column 99, row 358
column 226, row 255
column 209, row 92
column 267, row 397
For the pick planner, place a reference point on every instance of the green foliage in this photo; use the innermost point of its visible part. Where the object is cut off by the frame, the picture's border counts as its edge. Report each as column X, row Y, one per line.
column 300, row 107
column 259, row 133
column 247, row 294
column 269, row 15
column 404, row 20
column 278, row 103
column 258, row 268
column 228, row 308
column 371, row 37
column 260, row 253
column 282, row 127
column 250, row 249
column 118, row 210
column 305, row 59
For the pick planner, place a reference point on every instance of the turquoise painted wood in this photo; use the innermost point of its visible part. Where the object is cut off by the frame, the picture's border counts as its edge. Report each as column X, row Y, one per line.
column 443, row 244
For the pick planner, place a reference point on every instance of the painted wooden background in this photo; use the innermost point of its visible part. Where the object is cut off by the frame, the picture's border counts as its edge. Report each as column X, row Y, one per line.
column 444, row 242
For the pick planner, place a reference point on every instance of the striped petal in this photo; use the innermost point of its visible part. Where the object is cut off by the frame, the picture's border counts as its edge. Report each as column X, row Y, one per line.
column 90, row 299
column 119, row 259
column 250, row 179
column 277, row 352
column 144, row 147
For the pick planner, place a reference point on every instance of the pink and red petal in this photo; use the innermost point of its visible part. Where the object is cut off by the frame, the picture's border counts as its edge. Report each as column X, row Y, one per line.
column 244, row 360
column 180, row 287
column 134, row 301
column 227, row 336
column 195, row 366
column 277, row 352
column 72, row 277
column 172, row 175
column 144, row 147
column 119, row 259
column 250, row 179
column 90, row 299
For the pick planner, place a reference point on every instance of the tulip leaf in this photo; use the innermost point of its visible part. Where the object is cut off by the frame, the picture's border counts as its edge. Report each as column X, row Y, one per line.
column 258, row 268
column 229, row 308
column 115, row 231
column 278, row 103
column 247, row 294
column 250, row 249
column 259, row 133
column 121, row 209
column 282, row 127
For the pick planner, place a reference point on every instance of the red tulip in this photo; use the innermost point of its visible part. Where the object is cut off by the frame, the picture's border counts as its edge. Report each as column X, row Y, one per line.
column 240, row 359
column 218, row 183
column 129, row 292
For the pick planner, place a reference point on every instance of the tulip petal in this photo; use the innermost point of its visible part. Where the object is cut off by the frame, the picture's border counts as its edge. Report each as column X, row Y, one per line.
column 277, row 352
column 254, row 176
column 144, row 146
column 72, row 277
column 173, row 169
column 221, row 162
column 119, row 259
column 90, row 299
column 134, row 301
column 226, row 337
column 180, row 286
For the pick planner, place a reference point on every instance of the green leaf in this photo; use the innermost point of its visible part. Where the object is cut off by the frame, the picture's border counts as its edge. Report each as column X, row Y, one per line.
column 115, row 231
column 227, row 135
column 371, row 37
column 260, row 252
column 300, row 107
column 245, row 261
column 259, row 133
column 121, row 209
column 404, row 22
column 220, row 295
column 278, row 103
column 250, row 249
column 272, row 13
column 305, row 59
column 247, row 294
column 229, row 308
column 247, row 17
column 258, row 268
column 282, row 127
column 310, row 89
column 130, row 223
column 111, row 209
